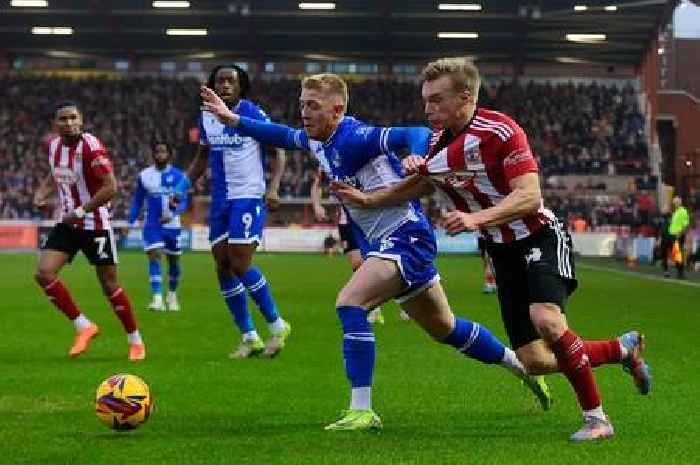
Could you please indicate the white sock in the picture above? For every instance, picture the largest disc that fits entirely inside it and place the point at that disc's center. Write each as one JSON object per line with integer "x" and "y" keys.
{"x": 157, "y": 298}
{"x": 596, "y": 412}
{"x": 361, "y": 398}
{"x": 135, "y": 337}
{"x": 81, "y": 322}
{"x": 172, "y": 295}
{"x": 250, "y": 336}
{"x": 276, "y": 326}
{"x": 511, "y": 362}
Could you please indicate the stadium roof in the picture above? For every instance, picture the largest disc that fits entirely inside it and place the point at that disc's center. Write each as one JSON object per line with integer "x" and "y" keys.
{"x": 361, "y": 30}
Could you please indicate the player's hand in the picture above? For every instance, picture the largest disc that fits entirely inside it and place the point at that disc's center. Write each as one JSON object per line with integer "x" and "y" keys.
{"x": 350, "y": 195}
{"x": 272, "y": 200}
{"x": 213, "y": 104}
{"x": 456, "y": 222}
{"x": 40, "y": 202}
{"x": 166, "y": 219}
{"x": 320, "y": 214}
{"x": 412, "y": 164}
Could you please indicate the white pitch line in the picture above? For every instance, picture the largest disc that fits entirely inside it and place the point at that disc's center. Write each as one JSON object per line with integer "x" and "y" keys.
{"x": 640, "y": 275}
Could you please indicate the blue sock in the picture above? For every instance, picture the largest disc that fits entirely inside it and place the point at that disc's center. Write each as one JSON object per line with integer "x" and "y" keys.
{"x": 358, "y": 345}
{"x": 174, "y": 272}
{"x": 260, "y": 291}
{"x": 154, "y": 276}
{"x": 475, "y": 341}
{"x": 237, "y": 301}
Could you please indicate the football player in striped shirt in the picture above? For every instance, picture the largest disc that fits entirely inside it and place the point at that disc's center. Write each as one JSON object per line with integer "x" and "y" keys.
{"x": 483, "y": 163}
{"x": 81, "y": 171}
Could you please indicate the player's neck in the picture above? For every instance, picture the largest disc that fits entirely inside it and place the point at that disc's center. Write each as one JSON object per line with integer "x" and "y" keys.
{"x": 161, "y": 167}
{"x": 71, "y": 139}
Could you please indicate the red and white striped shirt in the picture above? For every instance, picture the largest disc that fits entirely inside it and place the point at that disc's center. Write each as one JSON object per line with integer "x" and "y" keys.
{"x": 77, "y": 169}
{"x": 473, "y": 169}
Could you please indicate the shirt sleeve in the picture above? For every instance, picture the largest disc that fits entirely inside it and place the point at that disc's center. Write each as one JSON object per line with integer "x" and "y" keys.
{"x": 137, "y": 202}
{"x": 99, "y": 162}
{"x": 278, "y": 135}
{"x": 370, "y": 141}
{"x": 517, "y": 156}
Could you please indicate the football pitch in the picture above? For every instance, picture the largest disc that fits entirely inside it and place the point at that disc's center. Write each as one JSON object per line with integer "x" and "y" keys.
{"x": 437, "y": 406}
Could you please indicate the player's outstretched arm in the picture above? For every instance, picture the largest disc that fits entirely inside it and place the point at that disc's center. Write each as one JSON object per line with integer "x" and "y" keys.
{"x": 278, "y": 135}
{"x": 410, "y": 188}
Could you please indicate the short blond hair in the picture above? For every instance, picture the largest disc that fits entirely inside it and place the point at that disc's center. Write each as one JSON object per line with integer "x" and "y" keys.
{"x": 328, "y": 83}
{"x": 462, "y": 72}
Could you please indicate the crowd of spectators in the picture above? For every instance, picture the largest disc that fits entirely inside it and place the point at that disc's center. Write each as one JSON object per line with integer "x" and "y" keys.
{"x": 573, "y": 129}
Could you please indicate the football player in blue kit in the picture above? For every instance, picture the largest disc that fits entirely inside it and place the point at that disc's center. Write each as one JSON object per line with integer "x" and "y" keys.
{"x": 161, "y": 225}
{"x": 238, "y": 208}
{"x": 397, "y": 242}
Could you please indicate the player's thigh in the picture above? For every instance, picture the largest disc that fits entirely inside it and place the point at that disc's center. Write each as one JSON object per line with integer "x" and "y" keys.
{"x": 99, "y": 247}
{"x": 219, "y": 252}
{"x": 61, "y": 245}
{"x": 376, "y": 281}
{"x": 431, "y": 310}
{"x": 50, "y": 263}
{"x": 513, "y": 295}
{"x": 240, "y": 257}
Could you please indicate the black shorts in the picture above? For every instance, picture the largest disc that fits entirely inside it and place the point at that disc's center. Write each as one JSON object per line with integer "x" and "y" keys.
{"x": 537, "y": 269}
{"x": 347, "y": 238}
{"x": 98, "y": 246}
{"x": 481, "y": 243}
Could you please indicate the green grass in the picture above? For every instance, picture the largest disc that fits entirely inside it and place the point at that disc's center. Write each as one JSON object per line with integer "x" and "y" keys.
{"x": 437, "y": 407}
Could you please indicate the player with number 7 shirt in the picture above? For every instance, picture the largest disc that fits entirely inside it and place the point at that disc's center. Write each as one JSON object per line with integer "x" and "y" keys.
{"x": 81, "y": 172}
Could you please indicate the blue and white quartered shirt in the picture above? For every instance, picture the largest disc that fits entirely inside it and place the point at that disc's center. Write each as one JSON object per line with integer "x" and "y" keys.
{"x": 155, "y": 188}
{"x": 235, "y": 159}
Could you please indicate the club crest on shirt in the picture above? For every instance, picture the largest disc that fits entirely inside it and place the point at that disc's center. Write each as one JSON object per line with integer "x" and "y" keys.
{"x": 64, "y": 175}
{"x": 472, "y": 154}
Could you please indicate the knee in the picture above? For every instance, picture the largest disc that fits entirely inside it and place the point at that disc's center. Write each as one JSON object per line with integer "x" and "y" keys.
{"x": 548, "y": 321}
{"x": 240, "y": 263}
{"x": 535, "y": 364}
{"x": 44, "y": 276}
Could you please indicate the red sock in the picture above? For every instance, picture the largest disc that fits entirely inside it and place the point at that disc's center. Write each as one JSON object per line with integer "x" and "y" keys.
{"x": 122, "y": 307}
{"x": 602, "y": 352}
{"x": 576, "y": 366}
{"x": 61, "y": 298}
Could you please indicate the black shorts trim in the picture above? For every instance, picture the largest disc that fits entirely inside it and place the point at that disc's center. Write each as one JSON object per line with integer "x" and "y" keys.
{"x": 537, "y": 269}
{"x": 99, "y": 247}
{"x": 347, "y": 238}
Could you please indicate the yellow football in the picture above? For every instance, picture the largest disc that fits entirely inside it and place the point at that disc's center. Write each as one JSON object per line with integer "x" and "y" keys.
{"x": 123, "y": 402}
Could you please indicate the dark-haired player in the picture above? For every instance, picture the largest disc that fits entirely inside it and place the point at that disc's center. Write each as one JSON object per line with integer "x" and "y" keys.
{"x": 237, "y": 214}
{"x": 82, "y": 173}
{"x": 161, "y": 224}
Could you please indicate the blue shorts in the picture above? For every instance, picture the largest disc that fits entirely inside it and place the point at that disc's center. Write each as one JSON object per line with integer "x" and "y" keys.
{"x": 158, "y": 237}
{"x": 240, "y": 221}
{"x": 413, "y": 248}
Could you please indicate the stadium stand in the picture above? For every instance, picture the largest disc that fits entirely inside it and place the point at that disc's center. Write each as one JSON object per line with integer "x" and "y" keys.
{"x": 593, "y": 131}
